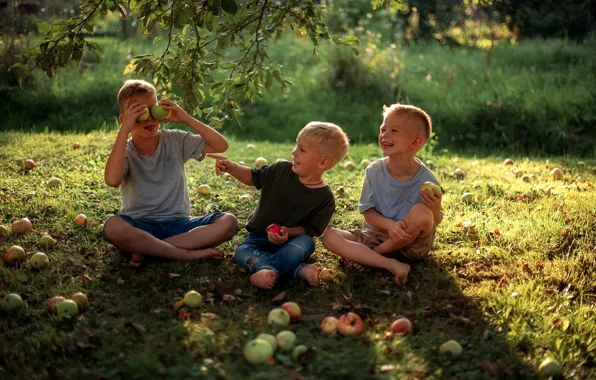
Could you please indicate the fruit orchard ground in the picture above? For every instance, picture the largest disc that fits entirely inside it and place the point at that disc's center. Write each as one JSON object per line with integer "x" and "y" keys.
{"x": 510, "y": 277}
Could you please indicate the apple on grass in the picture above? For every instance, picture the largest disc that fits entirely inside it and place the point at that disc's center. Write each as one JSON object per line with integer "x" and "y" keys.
{"x": 21, "y": 226}
{"x": 46, "y": 241}
{"x": 274, "y": 228}
{"x": 278, "y": 317}
{"x": 247, "y": 198}
{"x": 67, "y": 308}
{"x": 452, "y": 348}
{"x": 340, "y": 191}
{"x": 549, "y": 368}
{"x": 518, "y": 173}
{"x": 12, "y": 302}
{"x": 350, "y": 324}
{"x": 299, "y": 351}
{"x": 459, "y": 173}
{"x": 293, "y": 310}
{"x": 99, "y": 229}
{"x": 204, "y": 190}
{"x": 76, "y": 145}
{"x": 29, "y": 164}
{"x": 285, "y": 340}
{"x": 269, "y": 339}
{"x": 257, "y": 351}
{"x": 251, "y": 146}
{"x": 349, "y": 165}
{"x": 54, "y": 182}
{"x": 193, "y": 299}
{"x": 364, "y": 163}
{"x": 14, "y": 254}
{"x": 80, "y": 220}
{"x": 39, "y": 260}
{"x": 260, "y": 161}
{"x": 326, "y": 274}
{"x": 508, "y": 161}
{"x": 329, "y": 325}
{"x": 557, "y": 174}
{"x": 81, "y": 300}
{"x": 53, "y": 303}
{"x": 401, "y": 326}
{"x": 467, "y": 197}
{"x": 4, "y": 231}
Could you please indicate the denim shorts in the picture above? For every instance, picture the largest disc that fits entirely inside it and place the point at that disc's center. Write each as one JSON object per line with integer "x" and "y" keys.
{"x": 165, "y": 228}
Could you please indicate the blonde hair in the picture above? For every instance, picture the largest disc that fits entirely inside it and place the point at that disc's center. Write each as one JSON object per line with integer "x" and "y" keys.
{"x": 132, "y": 87}
{"x": 411, "y": 112}
{"x": 329, "y": 139}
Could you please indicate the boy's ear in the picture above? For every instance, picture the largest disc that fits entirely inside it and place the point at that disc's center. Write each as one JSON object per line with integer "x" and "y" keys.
{"x": 417, "y": 141}
{"x": 325, "y": 162}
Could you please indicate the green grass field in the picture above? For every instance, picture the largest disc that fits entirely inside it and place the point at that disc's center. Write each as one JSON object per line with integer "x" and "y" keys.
{"x": 511, "y": 277}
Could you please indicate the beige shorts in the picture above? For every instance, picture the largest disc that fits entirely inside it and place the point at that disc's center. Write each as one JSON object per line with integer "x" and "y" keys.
{"x": 415, "y": 251}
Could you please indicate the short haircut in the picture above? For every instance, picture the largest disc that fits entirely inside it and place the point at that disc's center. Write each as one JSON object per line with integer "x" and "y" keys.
{"x": 411, "y": 112}
{"x": 330, "y": 140}
{"x": 132, "y": 87}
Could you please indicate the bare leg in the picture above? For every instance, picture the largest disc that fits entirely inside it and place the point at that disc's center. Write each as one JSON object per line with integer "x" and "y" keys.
{"x": 310, "y": 274}
{"x": 211, "y": 235}
{"x": 264, "y": 279}
{"x": 419, "y": 221}
{"x": 131, "y": 239}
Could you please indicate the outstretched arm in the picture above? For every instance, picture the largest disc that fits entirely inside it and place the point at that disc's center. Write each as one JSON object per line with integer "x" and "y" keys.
{"x": 240, "y": 172}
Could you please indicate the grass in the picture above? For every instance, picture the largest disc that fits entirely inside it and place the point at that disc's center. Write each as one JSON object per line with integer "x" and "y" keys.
{"x": 510, "y": 277}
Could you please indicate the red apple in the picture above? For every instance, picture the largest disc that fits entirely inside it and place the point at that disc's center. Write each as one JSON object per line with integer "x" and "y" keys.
{"x": 329, "y": 325}
{"x": 350, "y": 324}
{"x": 14, "y": 254}
{"x": 21, "y": 226}
{"x": 29, "y": 164}
{"x": 401, "y": 326}
{"x": 274, "y": 228}
{"x": 80, "y": 220}
{"x": 293, "y": 309}
{"x": 76, "y": 145}
{"x": 53, "y": 303}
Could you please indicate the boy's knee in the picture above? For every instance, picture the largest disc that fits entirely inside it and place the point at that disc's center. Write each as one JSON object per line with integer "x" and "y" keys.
{"x": 114, "y": 229}
{"x": 304, "y": 242}
{"x": 230, "y": 223}
{"x": 328, "y": 237}
{"x": 420, "y": 217}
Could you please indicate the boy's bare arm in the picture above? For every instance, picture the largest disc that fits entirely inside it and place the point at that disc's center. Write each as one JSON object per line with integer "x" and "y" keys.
{"x": 373, "y": 218}
{"x": 295, "y": 231}
{"x": 240, "y": 172}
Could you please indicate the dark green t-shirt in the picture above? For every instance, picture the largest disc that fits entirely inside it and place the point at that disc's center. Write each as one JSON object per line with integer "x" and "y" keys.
{"x": 287, "y": 202}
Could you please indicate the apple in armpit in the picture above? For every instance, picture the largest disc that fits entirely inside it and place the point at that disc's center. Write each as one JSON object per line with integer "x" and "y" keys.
{"x": 329, "y": 325}
{"x": 293, "y": 310}
{"x": 274, "y": 228}
{"x": 350, "y": 324}
{"x": 257, "y": 351}
{"x": 29, "y": 164}
{"x": 80, "y": 220}
{"x": 14, "y": 254}
{"x": 278, "y": 317}
{"x": 285, "y": 340}
{"x": 21, "y": 226}
{"x": 81, "y": 300}
{"x": 39, "y": 260}
{"x": 428, "y": 185}
{"x": 12, "y": 302}
{"x": 401, "y": 326}
{"x": 53, "y": 303}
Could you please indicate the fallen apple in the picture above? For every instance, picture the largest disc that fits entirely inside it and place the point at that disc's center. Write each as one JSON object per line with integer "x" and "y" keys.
{"x": 21, "y": 226}
{"x": 144, "y": 116}
{"x": 53, "y": 303}
{"x": 274, "y": 228}
{"x": 193, "y": 299}
{"x": 467, "y": 197}
{"x": 526, "y": 178}
{"x": 80, "y": 220}
{"x": 257, "y": 351}
{"x": 39, "y": 261}
{"x": 251, "y": 146}
{"x": 452, "y": 348}
{"x": 340, "y": 191}
{"x": 81, "y": 300}
{"x": 349, "y": 165}
{"x": 557, "y": 174}
{"x": 326, "y": 274}
{"x": 364, "y": 163}
{"x": 329, "y": 325}
{"x": 4, "y": 231}
{"x": 99, "y": 229}
{"x": 29, "y": 164}
{"x": 298, "y": 351}
{"x": 581, "y": 163}
{"x": 204, "y": 190}
{"x": 247, "y": 198}
{"x": 518, "y": 172}
{"x": 260, "y": 161}
{"x": 549, "y": 368}
{"x": 350, "y": 324}
{"x": 285, "y": 340}
{"x": 12, "y": 302}
{"x": 459, "y": 173}
{"x": 508, "y": 161}
{"x": 76, "y": 145}
{"x": 270, "y": 339}
{"x": 428, "y": 185}
{"x": 67, "y": 308}
{"x": 158, "y": 112}
{"x": 278, "y": 317}
{"x": 54, "y": 182}
{"x": 14, "y": 254}
{"x": 401, "y": 326}
{"x": 46, "y": 241}
{"x": 293, "y": 310}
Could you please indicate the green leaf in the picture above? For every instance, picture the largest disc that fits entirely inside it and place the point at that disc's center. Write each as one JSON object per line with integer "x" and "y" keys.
{"x": 43, "y": 27}
{"x": 229, "y": 6}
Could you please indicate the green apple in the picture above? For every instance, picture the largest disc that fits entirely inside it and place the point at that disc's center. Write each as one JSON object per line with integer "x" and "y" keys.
{"x": 270, "y": 339}
{"x": 451, "y": 347}
{"x": 46, "y": 241}
{"x": 329, "y": 325}
{"x": 53, "y": 303}
{"x": 4, "y": 231}
{"x": 67, "y": 308}
{"x": 298, "y": 351}
{"x": 549, "y": 368}
{"x": 349, "y": 165}
{"x": 251, "y": 146}
{"x": 158, "y": 112}
{"x": 257, "y": 351}
{"x": 21, "y": 226}
{"x": 14, "y": 254}
{"x": 557, "y": 174}
{"x": 81, "y": 300}
{"x": 204, "y": 190}
{"x": 278, "y": 317}
{"x": 285, "y": 340}
{"x": 12, "y": 302}
{"x": 193, "y": 299}
{"x": 467, "y": 197}
{"x": 364, "y": 163}
{"x": 430, "y": 186}
{"x": 39, "y": 260}
{"x": 99, "y": 229}
{"x": 54, "y": 182}
{"x": 144, "y": 116}
{"x": 260, "y": 161}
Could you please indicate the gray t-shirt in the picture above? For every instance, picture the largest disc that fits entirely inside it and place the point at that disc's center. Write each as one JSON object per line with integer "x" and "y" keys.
{"x": 388, "y": 196}
{"x": 155, "y": 186}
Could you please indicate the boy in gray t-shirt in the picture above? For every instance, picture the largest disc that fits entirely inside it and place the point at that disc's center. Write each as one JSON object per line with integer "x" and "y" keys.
{"x": 155, "y": 216}
{"x": 400, "y": 215}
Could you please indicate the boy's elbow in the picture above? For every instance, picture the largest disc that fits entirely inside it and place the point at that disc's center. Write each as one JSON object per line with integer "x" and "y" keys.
{"x": 223, "y": 146}
{"x": 112, "y": 182}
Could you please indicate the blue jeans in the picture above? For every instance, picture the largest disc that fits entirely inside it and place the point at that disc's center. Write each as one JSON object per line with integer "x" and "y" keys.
{"x": 287, "y": 258}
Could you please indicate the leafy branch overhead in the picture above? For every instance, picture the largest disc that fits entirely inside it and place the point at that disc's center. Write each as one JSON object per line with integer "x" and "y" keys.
{"x": 203, "y": 37}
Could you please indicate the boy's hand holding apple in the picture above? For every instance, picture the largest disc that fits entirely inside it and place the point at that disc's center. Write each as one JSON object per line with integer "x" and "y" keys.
{"x": 130, "y": 115}
{"x": 177, "y": 114}
{"x": 277, "y": 234}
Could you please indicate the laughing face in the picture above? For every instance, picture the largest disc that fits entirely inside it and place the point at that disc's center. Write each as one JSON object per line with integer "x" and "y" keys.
{"x": 149, "y": 127}
{"x": 306, "y": 159}
{"x": 398, "y": 135}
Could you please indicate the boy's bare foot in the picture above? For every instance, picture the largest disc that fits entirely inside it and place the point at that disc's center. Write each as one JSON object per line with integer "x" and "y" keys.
{"x": 400, "y": 272}
{"x": 207, "y": 253}
{"x": 354, "y": 265}
{"x": 264, "y": 279}
{"x": 310, "y": 274}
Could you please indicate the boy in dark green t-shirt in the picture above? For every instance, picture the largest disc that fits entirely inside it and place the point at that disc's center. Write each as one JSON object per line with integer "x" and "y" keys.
{"x": 296, "y": 204}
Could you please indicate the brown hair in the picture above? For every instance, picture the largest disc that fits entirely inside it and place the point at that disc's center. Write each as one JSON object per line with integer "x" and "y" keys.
{"x": 414, "y": 112}
{"x": 329, "y": 139}
{"x": 132, "y": 87}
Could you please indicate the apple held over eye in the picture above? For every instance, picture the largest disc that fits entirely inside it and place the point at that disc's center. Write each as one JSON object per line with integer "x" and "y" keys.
{"x": 285, "y": 340}
{"x": 329, "y": 325}
{"x": 81, "y": 300}
{"x": 67, "y": 308}
{"x": 278, "y": 317}
{"x": 452, "y": 348}
{"x": 29, "y": 164}
{"x": 557, "y": 174}
{"x": 158, "y": 112}
{"x": 257, "y": 351}
{"x": 269, "y": 339}
{"x": 260, "y": 161}
{"x": 428, "y": 185}
{"x": 293, "y": 310}
{"x": 144, "y": 116}
{"x": 193, "y": 299}
{"x": 350, "y": 324}
{"x": 14, "y": 254}
{"x": 12, "y": 302}
{"x": 21, "y": 226}
{"x": 80, "y": 220}
{"x": 54, "y": 182}
{"x": 274, "y": 228}
{"x": 53, "y": 303}
{"x": 549, "y": 368}
{"x": 46, "y": 241}
{"x": 401, "y": 326}
{"x": 39, "y": 260}
{"x": 204, "y": 190}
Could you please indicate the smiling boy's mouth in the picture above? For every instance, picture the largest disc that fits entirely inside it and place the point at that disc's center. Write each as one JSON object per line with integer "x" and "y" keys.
{"x": 150, "y": 128}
